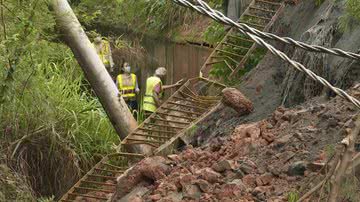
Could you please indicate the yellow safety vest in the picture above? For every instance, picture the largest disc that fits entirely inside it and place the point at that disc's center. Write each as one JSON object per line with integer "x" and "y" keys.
{"x": 149, "y": 102}
{"x": 104, "y": 52}
{"x": 127, "y": 91}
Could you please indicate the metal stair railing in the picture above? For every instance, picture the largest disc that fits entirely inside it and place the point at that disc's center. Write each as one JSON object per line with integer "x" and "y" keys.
{"x": 185, "y": 107}
{"x": 233, "y": 51}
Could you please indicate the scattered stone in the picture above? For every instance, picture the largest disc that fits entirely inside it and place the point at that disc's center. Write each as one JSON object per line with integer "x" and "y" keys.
{"x": 297, "y": 168}
{"x": 209, "y": 175}
{"x": 155, "y": 197}
{"x": 203, "y": 185}
{"x": 249, "y": 180}
{"x": 282, "y": 141}
{"x": 172, "y": 197}
{"x": 224, "y": 165}
{"x": 191, "y": 191}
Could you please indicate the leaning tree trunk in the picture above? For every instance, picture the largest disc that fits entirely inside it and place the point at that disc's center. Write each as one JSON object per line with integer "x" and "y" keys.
{"x": 94, "y": 70}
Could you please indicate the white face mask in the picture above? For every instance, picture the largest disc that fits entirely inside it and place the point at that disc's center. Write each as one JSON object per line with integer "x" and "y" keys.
{"x": 127, "y": 69}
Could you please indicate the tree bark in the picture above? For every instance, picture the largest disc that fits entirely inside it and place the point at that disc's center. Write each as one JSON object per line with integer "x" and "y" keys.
{"x": 95, "y": 71}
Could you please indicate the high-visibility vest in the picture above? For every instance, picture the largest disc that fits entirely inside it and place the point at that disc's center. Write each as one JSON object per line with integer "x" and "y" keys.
{"x": 149, "y": 101}
{"x": 126, "y": 90}
{"x": 104, "y": 52}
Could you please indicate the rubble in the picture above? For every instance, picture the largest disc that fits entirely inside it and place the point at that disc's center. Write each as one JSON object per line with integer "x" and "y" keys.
{"x": 259, "y": 161}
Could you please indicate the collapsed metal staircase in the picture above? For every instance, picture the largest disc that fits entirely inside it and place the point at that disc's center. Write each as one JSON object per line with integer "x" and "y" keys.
{"x": 186, "y": 107}
{"x": 233, "y": 51}
{"x": 182, "y": 110}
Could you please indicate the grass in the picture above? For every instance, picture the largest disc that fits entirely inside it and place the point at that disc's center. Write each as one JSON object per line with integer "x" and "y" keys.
{"x": 293, "y": 196}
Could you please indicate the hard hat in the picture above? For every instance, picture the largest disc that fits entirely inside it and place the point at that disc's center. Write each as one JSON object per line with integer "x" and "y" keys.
{"x": 160, "y": 71}
{"x": 97, "y": 40}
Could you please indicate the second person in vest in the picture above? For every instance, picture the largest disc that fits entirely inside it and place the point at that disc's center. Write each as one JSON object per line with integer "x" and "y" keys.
{"x": 128, "y": 86}
{"x": 155, "y": 91}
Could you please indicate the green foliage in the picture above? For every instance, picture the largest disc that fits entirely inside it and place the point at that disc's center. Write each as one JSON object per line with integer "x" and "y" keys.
{"x": 293, "y": 196}
{"x": 329, "y": 150}
{"x": 214, "y": 33}
{"x": 221, "y": 71}
{"x": 319, "y": 2}
{"x": 349, "y": 188}
{"x": 42, "y": 86}
{"x": 351, "y": 17}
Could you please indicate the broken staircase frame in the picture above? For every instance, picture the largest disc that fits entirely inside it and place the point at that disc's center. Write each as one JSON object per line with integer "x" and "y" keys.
{"x": 185, "y": 108}
{"x": 229, "y": 53}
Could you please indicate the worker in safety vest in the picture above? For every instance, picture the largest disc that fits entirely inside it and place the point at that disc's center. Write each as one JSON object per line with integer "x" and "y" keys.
{"x": 128, "y": 86}
{"x": 155, "y": 90}
{"x": 103, "y": 49}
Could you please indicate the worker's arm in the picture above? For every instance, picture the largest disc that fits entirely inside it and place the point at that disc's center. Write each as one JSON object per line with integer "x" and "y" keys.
{"x": 179, "y": 83}
{"x": 156, "y": 93}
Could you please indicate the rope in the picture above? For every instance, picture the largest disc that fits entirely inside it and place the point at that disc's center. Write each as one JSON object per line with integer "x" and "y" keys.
{"x": 206, "y": 10}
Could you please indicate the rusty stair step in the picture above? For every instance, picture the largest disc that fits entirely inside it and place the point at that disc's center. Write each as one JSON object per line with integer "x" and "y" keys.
{"x": 101, "y": 176}
{"x": 262, "y": 9}
{"x": 114, "y": 166}
{"x": 165, "y": 126}
{"x": 89, "y": 196}
{"x": 151, "y": 136}
{"x": 176, "y": 116}
{"x": 255, "y": 16}
{"x": 188, "y": 106}
{"x": 158, "y": 131}
{"x": 98, "y": 183}
{"x": 183, "y": 111}
{"x": 268, "y": 2}
{"x": 230, "y": 53}
{"x": 171, "y": 121}
{"x": 235, "y": 46}
{"x": 110, "y": 171}
{"x": 253, "y": 24}
{"x": 144, "y": 140}
{"x": 227, "y": 57}
{"x": 240, "y": 38}
{"x": 215, "y": 62}
{"x": 193, "y": 101}
{"x": 95, "y": 189}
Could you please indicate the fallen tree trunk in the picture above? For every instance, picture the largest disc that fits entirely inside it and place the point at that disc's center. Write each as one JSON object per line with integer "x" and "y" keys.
{"x": 95, "y": 71}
